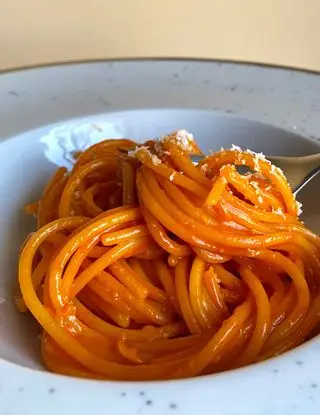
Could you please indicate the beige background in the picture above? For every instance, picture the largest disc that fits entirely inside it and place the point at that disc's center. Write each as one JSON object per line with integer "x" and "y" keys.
{"x": 285, "y": 32}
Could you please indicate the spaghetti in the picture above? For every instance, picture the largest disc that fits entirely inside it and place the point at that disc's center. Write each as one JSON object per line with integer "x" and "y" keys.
{"x": 147, "y": 266}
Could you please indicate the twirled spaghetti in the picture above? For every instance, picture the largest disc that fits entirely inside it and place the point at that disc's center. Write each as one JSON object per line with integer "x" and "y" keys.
{"x": 147, "y": 266}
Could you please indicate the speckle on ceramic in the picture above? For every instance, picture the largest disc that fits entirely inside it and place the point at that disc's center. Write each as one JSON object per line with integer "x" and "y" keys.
{"x": 47, "y": 113}
{"x": 173, "y": 406}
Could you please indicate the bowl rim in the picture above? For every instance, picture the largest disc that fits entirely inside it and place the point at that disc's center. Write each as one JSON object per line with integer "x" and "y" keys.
{"x": 18, "y": 374}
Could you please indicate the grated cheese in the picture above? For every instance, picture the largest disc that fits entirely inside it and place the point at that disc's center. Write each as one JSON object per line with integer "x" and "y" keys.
{"x": 134, "y": 152}
{"x": 278, "y": 211}
{"x": 277, "y": 170}
{"x": 256, "y": 164}
{"x": 299, "y": 207}
{"x": 185, "y": 137}
{"x": 155, "y": 159}
{"x": 171, "y": 177}
{"x": 256, "y": 187}
{"x": 260, "y": 199}
{"x": 255, "y": 184}
{"x": 235, "y": 148}
{"x": 182, "y": 138}
{"x": 158, "y": 148}
{"x": 204, "y": 168}
{"x": 228, "y": 165}
{"x": 258, "y": 156}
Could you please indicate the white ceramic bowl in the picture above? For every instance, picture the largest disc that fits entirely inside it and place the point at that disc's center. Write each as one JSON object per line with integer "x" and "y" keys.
{"x": 286, "y": 384}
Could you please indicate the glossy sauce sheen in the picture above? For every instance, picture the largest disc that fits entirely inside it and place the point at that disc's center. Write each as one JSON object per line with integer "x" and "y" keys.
{"x": 146, "y": 266}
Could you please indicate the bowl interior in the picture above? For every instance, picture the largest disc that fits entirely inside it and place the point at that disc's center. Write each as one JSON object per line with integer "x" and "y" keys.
{"x": 28, "y": 160}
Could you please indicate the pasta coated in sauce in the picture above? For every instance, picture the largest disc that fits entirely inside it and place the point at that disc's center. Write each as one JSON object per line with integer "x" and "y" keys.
{"x": 147, "y": 266}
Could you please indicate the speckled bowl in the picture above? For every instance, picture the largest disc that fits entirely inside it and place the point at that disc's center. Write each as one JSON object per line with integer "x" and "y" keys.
{"x": 47, "y": 112}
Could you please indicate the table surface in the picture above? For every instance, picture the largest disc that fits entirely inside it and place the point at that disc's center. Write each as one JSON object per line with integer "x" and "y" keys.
{"x": 282, "y": 32}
